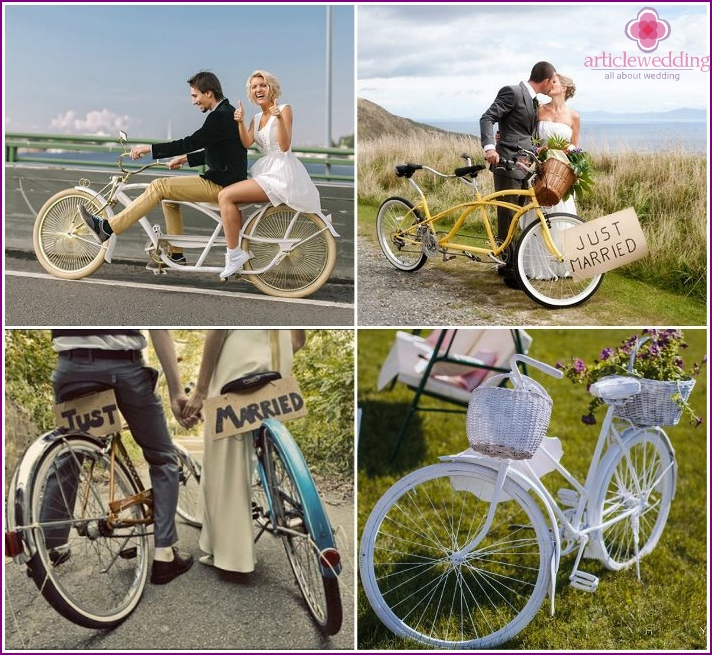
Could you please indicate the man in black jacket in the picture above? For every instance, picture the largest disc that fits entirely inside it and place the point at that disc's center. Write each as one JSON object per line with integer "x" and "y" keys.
{"x": 216, "y": 144}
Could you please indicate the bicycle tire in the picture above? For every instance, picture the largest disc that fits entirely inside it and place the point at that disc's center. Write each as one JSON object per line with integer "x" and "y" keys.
{"x": 396, "y": 217}
{"x": 306, "y": 268}
{"x": 101, "y": 580}
{"x": 296, "y": 506}
{"x": 421, "y": 590}
{"x": 545, "y": 280}
{"x": 189, "y": 488}
{"x": 63, "y": 244}
{"x": 642, "y": 474}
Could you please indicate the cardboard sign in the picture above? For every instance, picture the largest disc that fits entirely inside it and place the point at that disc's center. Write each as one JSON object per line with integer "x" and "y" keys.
{"x": 236, "y": 413}
{"x": 604, "y": 243}
{"x": 96, "y": 413}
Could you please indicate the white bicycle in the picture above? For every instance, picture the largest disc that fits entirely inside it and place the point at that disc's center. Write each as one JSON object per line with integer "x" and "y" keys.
{"x": 462, "y": 553}
{"x": 293, "y": 253}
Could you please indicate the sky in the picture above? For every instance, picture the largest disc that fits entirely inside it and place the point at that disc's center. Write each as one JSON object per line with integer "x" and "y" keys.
{"x": 95, "y": 69}
{"x": 448, "y": 62}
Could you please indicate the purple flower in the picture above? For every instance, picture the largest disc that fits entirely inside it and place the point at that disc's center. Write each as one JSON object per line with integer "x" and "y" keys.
{"x": 579, "y": 365}
{"x": 588, "y": 419}
{"x": 606, "y": 353}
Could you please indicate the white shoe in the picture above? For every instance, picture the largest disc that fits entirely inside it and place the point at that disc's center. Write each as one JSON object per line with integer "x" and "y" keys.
{"x": 234, "y": 260}
{"x": 207, "y": 560}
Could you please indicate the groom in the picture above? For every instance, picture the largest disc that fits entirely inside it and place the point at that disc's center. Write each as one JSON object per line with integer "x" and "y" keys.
{"x": 515, "y": 111}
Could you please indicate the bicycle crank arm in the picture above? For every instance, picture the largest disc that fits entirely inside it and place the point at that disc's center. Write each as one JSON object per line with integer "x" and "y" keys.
{"x": 144, "y": 498}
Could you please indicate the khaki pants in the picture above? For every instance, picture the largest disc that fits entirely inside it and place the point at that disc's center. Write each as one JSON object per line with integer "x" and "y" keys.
{"x": 191, "y": 188}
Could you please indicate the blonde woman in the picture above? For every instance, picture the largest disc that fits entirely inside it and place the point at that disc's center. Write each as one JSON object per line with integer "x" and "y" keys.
{"x": 277, "y": 177}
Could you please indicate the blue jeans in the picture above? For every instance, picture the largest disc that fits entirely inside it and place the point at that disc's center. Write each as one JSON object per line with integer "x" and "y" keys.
{"x": 134, "y": 386}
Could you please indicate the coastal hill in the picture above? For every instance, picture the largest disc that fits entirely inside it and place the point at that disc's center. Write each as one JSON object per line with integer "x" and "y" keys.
{"x": 375, "y": 122}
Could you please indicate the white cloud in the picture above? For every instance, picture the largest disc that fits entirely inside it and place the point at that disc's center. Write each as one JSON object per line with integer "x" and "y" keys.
{"x": 101, "y": 122}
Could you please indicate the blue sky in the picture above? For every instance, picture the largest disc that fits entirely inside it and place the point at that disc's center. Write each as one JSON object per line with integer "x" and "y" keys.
{"x": 447, "y": 62}
{"x": 95, "y": 69}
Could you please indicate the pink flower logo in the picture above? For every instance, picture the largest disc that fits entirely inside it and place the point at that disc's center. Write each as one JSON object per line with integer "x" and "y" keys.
{"x": 647, "y": 29}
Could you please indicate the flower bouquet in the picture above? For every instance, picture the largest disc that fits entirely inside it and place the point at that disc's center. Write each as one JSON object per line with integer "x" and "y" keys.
{"x": 654, "y": 358}
{"x": 562, "y": 170}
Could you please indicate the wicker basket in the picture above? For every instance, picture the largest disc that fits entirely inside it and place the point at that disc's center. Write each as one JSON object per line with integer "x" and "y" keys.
{"x": 654, "y": 405}
{"x": 554, "y": 180}
{"x": 508, "y": 423}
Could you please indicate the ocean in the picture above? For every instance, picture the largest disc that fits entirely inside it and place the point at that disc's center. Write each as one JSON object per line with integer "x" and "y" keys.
{"x": 604, "y": 136}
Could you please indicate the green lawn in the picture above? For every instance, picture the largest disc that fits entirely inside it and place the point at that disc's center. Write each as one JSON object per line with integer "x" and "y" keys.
{"x": 667, "y": 610}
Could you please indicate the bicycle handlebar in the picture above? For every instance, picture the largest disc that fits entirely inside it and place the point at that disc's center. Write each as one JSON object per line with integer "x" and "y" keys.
{"x": 544, "y": 368}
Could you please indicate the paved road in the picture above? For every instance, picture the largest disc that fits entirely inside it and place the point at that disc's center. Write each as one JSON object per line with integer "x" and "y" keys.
{"x": 204, "y": 609}
{"x": 124, "y": 292}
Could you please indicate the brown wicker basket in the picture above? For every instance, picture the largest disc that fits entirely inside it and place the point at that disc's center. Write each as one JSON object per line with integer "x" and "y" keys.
{"x": 554, "y": 180}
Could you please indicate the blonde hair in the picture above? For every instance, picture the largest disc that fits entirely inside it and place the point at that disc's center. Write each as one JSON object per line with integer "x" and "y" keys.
{"x": 568, "y": 84}
{"x": 272, "y": 83}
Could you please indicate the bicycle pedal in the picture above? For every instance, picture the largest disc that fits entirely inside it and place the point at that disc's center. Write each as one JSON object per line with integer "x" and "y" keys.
{"x": 584, "y": 581}
{"x": 568, "y": 497}
{"x": 128, "y": 553}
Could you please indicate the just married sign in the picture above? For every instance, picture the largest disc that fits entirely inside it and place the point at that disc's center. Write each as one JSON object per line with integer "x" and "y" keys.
{"x": 96, "y": 413}
{"x": 603, "y": 244}
{"x": 236, "y": 413}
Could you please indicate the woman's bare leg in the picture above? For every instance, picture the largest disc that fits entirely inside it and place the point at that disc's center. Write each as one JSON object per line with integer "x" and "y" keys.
{"x": 228, "y": 199}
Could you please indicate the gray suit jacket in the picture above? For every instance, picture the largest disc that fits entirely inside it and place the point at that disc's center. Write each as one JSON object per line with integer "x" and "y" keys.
{"x": 513, "y": 110}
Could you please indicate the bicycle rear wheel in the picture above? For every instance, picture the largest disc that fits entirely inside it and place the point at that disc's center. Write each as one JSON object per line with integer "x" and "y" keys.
{"x": 64, "y": 245}
{"x": 305, "y": 268}
{"x": 641, "y": 476}
{"x": 298, "y": 517}
{"x": 189, "y": 490}
{"x": 420, "y": 584}
{"x": 92, "y": 573}
{"x": 398, "y": 235}
{"x": 541, "y": 276}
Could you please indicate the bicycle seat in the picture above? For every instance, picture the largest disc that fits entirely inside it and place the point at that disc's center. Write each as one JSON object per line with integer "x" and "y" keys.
{"x": 407, "y": 170}
{"x": 615, "y": 387}
{"x": 78, "y": 389}
{"x": 250, "y": 382}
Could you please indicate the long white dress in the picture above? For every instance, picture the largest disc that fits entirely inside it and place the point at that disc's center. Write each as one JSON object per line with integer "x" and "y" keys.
{"x": 280, "y": 174}
{"x": 227, "y": 463}
{"x": 546, "y": 130}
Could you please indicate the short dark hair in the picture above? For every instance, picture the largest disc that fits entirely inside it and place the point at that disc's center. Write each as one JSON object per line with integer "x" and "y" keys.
{"x": 206, "y": 81}
{"x": 541, "y": 71}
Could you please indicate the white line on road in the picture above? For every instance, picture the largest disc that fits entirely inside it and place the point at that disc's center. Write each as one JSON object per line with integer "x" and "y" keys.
{"x": 205, "y": 292}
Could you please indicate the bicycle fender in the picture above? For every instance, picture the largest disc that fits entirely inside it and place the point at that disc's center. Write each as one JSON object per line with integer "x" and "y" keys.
{"x": 111, "y": 243}
{"x": 314, "y": 514}
{"x": 18, "y": 501}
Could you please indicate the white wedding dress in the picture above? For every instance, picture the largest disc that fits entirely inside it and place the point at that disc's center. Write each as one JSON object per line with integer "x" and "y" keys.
{"x": 538, "y": 266}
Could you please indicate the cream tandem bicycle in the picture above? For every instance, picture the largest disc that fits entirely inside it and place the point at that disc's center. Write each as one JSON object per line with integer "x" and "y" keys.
{"x": 293, "y": 253}
{"x": 462, "y": 553}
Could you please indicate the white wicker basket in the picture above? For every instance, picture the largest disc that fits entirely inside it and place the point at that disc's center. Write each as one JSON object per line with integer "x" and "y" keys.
{"x": 508, "y": 423}
{"x": 655, "y": 404}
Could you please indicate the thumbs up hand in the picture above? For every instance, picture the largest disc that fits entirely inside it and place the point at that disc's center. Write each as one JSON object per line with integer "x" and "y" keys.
{"x": 274, "y": 110}
{"x": 239, "y": 112}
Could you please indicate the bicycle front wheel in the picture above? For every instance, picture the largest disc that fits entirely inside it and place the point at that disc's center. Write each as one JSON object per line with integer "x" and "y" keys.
{"x": 544, "y": 279}
{"x": 292, "y": 497}
{"x": 636, "y": 488}
{"x": 422, "y": 581}
{"x": 396, "y": 225}
{"x": 64, "y": 245}
{"x": 91, "y": 572}
{"x": 308, "y": 264}
{"x": 189, "y": 488}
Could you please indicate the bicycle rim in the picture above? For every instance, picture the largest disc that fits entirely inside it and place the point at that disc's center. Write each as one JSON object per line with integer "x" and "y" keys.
{"x": 399, "y": 239}
{"x": 64, "y": 245}
{"x": 418, "y": 585}
{"x": 307, "y": 266}
{"x": 642, "y": 476}
{"x": 541, "y": 276}
{"x": 320, "y": 592}
{"x": 189, "y": 501}
{"x": 90, "y": 573}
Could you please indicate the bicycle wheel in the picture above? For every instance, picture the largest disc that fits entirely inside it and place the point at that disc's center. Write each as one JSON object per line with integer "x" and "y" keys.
{"x": 308, "y": 264}
{"x": 399, "y": 238}
{"x": 640, "y": 477}
{"x": 64, "y": 245}
{"x": 189, "y": 490}
{"x": 92, "y": 573}
{"x": 541, "y": 276}
{"x": 419, "y": 583}
{"x": 299, "y": 518}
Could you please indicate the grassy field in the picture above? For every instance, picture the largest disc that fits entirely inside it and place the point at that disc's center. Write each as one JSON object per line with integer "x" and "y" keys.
{"x": 666, "y": 610}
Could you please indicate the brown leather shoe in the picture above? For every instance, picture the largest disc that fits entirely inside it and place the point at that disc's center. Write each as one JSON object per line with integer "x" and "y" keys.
{"x": 163, "y": 572}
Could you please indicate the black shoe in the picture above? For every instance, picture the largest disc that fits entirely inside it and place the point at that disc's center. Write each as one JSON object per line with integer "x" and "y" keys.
{"x": 178, "y": 258}
{"x": 59, "y": 556}
{"x": 509, "y": 277}
{"x": 163, "y": 572}
{"x": 95, "y": 224}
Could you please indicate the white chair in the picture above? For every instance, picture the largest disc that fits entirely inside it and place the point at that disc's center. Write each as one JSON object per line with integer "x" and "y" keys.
{"x": 448, "y": 365}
